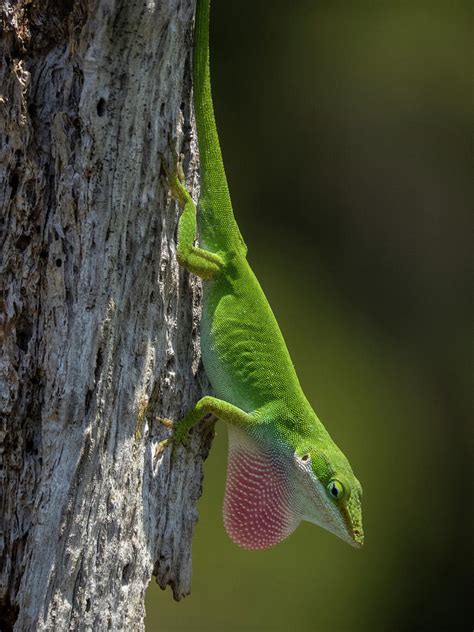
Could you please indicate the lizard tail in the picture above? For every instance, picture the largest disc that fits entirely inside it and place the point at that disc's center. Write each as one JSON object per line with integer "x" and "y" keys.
{"x": 218, "y": 228}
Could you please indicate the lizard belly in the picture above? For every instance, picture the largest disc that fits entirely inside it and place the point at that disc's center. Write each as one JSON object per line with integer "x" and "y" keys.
{"x": 243, "y": 350}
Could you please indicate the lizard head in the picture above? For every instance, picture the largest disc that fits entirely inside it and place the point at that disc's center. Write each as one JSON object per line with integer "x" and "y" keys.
{"x": 330, "y": 493}
{"x": 270, "y": 489}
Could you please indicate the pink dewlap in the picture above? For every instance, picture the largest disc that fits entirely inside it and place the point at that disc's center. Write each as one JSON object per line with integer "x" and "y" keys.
{"x": 257, "y": 504}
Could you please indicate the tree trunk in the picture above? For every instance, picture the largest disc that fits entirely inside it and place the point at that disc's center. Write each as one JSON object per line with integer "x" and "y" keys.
{"x": 99, "y": 329}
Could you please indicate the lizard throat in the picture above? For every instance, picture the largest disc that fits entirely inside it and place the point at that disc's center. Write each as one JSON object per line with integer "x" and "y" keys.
{"x": 258, "y": 505}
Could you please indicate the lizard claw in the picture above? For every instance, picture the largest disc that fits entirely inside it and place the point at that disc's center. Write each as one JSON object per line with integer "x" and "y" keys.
{"x": 167, "y": 423}
{"x": 161, "y": 447}
{"x": 176, "y": 437}
{"x": 167, "y": 443}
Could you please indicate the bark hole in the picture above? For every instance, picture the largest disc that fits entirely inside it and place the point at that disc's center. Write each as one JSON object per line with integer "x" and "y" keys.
{"x": 101, "y": 107}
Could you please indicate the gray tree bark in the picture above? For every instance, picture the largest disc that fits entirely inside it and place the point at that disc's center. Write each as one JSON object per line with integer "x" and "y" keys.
{"x": 99, "y": 327}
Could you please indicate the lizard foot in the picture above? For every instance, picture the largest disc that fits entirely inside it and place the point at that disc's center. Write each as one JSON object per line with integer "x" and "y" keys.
{"x": 176, "y": 437}
{"x": 175, "y": 173}
{"x": 167, "y": 423}
{"x": 162, "y": 445}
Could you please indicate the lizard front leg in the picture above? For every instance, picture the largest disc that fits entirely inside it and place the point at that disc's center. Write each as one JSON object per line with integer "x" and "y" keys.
{"x": 201, "y": 262}
{"x": 204, "y": 409}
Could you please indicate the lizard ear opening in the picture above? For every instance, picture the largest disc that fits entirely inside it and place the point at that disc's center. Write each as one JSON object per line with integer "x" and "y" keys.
{"x": 259, "y": 510}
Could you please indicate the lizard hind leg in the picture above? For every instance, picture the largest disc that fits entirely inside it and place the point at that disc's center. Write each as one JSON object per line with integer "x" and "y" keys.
{"x": 203, "y": 263}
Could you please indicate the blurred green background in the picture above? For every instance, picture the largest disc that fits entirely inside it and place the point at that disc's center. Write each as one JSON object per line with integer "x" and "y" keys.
{"x": 345, "y": 128}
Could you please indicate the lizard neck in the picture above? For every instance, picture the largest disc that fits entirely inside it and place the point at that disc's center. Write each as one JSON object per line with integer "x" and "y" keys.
{"x": 218, "y": 228}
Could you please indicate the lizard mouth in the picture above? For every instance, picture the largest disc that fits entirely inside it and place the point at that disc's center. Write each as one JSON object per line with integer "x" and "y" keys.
{"x": 355, "y": 533}
{"x": 357, "y": 540}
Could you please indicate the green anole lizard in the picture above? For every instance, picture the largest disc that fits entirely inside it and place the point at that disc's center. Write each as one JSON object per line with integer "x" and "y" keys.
{"x": 283, "y": 466}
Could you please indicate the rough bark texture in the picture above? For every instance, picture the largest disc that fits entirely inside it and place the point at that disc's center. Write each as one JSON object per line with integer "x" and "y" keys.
{"x": 99, "y": 326}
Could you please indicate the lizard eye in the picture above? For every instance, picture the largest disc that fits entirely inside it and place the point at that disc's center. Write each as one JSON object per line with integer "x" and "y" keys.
{"x": 306, "y": 457}
{"x": 335, "y": 489}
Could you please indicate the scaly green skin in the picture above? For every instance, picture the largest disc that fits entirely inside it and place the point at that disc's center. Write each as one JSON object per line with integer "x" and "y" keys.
{"x": 243, "y": 350}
